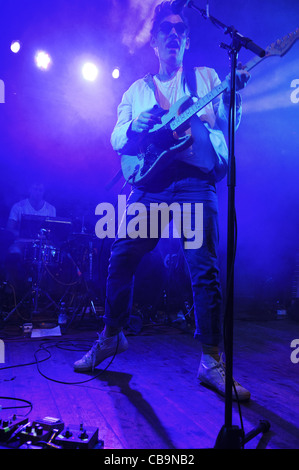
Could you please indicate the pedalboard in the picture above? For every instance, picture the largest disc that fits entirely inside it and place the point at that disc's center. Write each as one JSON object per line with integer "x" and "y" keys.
{"x": 77, "y": 437}
{"x": 9, "y": 425}
{"x": 46, "y": 433}
{"x": 40, "y": 430}
{"x": 48, "y": 423}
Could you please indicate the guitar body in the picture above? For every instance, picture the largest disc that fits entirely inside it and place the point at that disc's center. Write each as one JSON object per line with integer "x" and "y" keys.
{"x": 157, "y": 147}
{"x": 153, "y": 157}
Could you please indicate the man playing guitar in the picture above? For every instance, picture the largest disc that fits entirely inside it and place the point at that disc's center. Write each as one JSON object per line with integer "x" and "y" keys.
{"x": 188, "y": 176}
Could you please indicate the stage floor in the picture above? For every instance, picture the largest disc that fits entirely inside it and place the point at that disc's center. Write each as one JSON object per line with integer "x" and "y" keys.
{"x": 149, "y": 397}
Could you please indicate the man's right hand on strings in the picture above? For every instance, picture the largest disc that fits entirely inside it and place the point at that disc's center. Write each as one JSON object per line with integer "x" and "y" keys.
{"x": 145, "y": 121}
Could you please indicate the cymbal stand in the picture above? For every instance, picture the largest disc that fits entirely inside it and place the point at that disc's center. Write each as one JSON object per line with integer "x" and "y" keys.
{"x": 37, "y": 290}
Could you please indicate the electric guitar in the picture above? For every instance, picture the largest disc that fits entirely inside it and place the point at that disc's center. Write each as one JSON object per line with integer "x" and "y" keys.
{"x": 156, "y": 147}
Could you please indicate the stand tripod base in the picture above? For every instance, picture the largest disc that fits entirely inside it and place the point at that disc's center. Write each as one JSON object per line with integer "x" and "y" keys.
{"x": 232, "y": 437}
{"x": 229, "y": 438}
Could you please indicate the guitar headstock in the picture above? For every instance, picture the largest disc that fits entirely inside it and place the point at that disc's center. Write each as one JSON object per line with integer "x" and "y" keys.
{"x": 281, "y": 46}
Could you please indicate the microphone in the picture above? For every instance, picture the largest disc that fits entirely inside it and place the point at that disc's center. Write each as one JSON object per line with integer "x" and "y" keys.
{"x": 178, "y": 5}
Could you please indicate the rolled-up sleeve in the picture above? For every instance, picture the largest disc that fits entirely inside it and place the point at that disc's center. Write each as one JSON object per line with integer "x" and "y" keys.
{"x": 138, "y": 98}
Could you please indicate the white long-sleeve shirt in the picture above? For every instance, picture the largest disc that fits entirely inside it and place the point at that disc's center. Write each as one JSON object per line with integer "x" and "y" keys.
{"x": 147, "y": 92}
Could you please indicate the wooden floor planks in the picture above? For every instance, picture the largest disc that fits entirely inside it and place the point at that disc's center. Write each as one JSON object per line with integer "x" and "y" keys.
{"x": 149, "y": 397}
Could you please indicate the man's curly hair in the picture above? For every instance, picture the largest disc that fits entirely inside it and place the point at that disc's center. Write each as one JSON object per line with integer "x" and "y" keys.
{"x": 161, "y": 11}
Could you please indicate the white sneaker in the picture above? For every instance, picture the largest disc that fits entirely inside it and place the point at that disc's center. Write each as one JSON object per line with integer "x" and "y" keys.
{"x": 101, "y": 349}
{"x": 212, "y": 374}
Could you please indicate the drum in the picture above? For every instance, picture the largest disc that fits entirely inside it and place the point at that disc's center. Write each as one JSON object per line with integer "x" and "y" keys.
{"x": 35, "y": 252}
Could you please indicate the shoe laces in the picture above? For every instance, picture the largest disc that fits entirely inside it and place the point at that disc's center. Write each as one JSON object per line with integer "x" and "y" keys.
{"x": 222, "y": 369}
{"x": 97, "y": 345}
{"x": 221, "y": 366}
{"x": 91, "y": 354}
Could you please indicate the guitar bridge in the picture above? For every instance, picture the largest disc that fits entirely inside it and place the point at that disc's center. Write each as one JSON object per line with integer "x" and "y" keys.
{"x": 150, "y": 156}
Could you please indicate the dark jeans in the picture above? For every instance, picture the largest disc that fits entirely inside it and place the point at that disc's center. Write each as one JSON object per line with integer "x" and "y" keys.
{"x": 181, "y": 184}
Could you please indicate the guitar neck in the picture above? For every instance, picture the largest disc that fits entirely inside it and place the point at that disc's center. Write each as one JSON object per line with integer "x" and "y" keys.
{"x": 253, "y": 62}
{"x": 198, "y": 105}
{"x": 202, "y": 102}
{"x": 279, "y": 48}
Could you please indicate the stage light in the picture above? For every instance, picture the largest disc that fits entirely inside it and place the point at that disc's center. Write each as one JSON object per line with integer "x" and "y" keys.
{"x": 115, "y": 73}
{"x": 90, "y": 71}
{"x": 15, "y": 46}
{"x": 43, "y": 60}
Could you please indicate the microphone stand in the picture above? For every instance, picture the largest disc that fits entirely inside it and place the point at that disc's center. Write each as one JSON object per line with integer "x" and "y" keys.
{"x": 231, "y": 436}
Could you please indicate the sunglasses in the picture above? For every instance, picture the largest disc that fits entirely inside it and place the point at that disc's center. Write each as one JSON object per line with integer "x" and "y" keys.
{"x": 166, "y": 27}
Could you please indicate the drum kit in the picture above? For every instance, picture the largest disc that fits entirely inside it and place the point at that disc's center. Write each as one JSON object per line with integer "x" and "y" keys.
{"x": 57, "y": 265}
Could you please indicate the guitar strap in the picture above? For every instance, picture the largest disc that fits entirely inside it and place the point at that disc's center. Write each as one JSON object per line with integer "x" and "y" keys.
{"x": 188, "y": 80}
